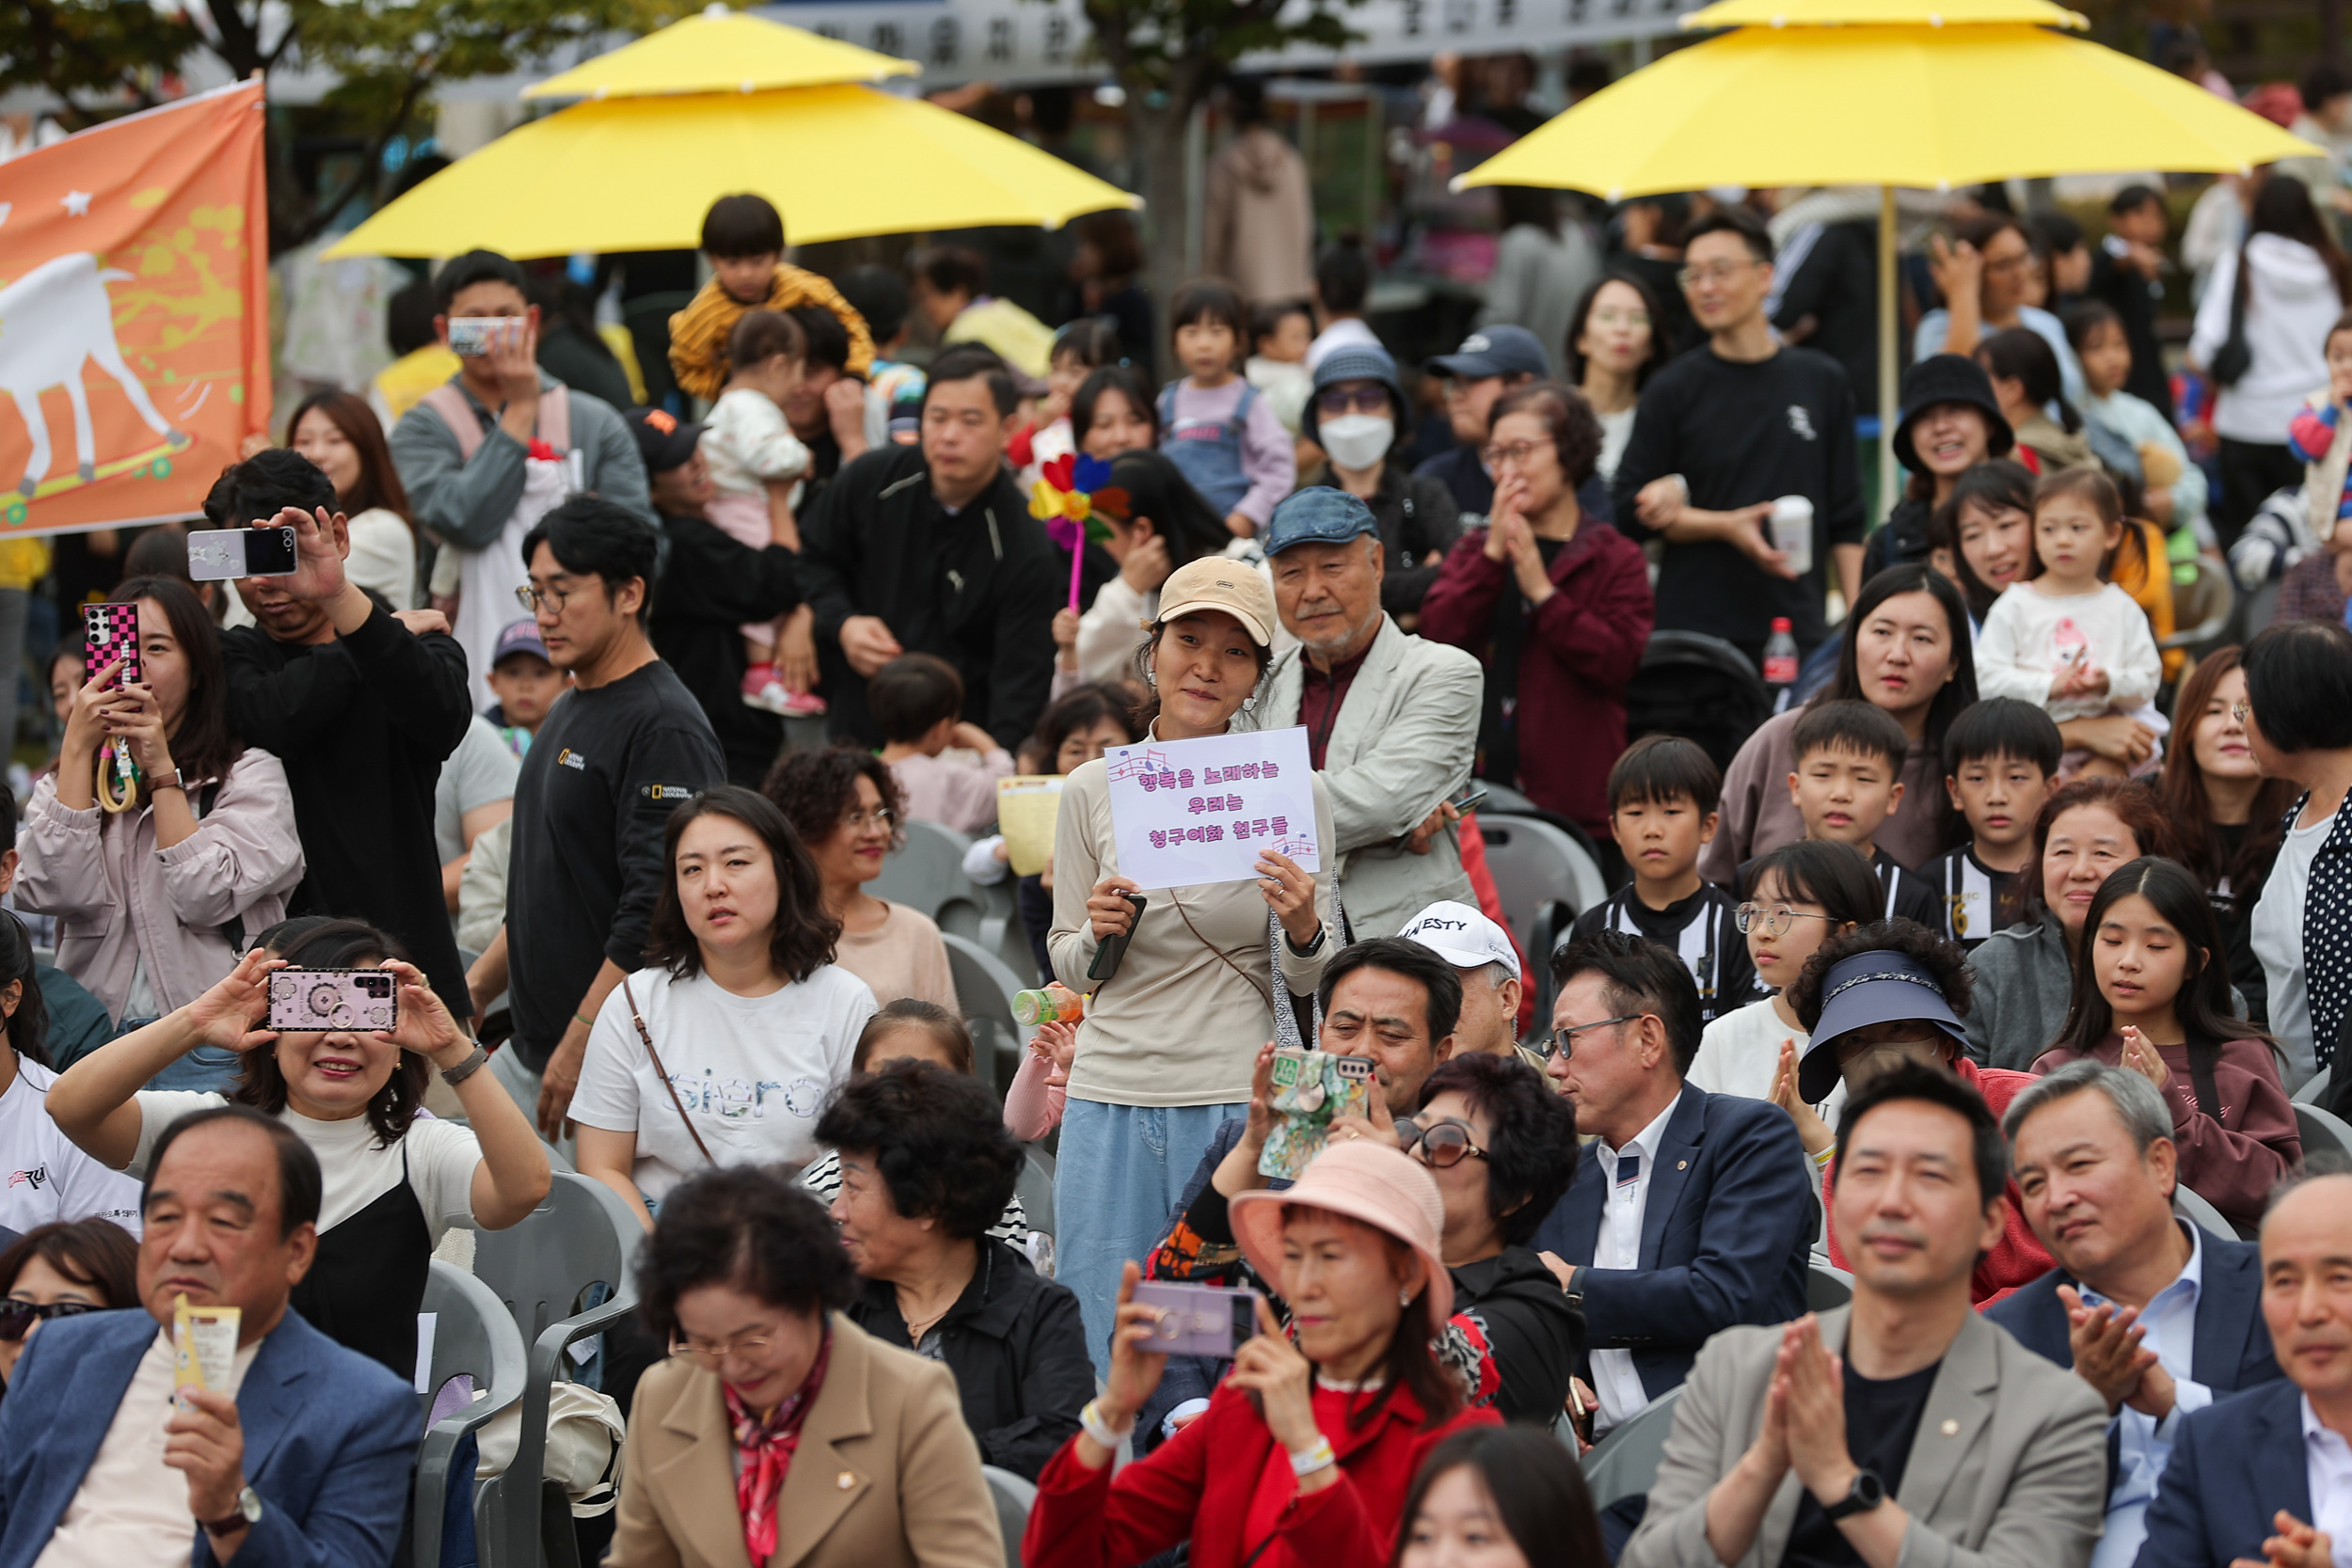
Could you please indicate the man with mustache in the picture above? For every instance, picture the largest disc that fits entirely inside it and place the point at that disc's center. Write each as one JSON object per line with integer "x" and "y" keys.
{"x": 297, "y": 1453}
{"x": 1905, "y": 1427}
{"x": 2157, "y": 1316}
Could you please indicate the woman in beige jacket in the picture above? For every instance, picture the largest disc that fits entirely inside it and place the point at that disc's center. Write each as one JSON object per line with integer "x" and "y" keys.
{"x": 780, "y": 1433}
{"x": 1166, "y": 1048}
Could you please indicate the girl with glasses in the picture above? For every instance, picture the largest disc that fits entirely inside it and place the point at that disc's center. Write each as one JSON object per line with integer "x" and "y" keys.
{"x": 59, "y": 1271}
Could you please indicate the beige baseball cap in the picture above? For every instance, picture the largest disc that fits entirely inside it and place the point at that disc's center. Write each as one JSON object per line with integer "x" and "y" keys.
{"x": 1217, "y": 582}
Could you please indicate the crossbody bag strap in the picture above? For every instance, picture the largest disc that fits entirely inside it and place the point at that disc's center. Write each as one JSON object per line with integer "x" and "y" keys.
{"x": 2201, "y": 1075}
{"x": 661, "y": 1072}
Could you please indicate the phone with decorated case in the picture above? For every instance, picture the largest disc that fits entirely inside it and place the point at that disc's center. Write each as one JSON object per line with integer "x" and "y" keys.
{"x": 110, "y": 632}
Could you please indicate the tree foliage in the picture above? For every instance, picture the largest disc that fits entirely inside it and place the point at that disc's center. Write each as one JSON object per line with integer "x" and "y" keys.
{"x": 104, "y": 56}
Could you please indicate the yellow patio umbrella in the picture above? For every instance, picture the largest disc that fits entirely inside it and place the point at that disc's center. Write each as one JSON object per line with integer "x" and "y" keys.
{"x": 721, "y": 51}
{"x": 638, "y": 173}
{"x": 1919, "y": 107}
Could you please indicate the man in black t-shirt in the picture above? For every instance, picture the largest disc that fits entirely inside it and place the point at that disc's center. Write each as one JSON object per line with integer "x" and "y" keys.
{"x": 618, "y": 753}
{"x": 1842, "y": 1438}
{"x": 362, "y": 703}
{"x": 1722, "y": 433}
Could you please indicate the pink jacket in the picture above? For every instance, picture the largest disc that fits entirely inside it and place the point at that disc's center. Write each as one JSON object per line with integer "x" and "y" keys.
{"x": 116, "y": 896}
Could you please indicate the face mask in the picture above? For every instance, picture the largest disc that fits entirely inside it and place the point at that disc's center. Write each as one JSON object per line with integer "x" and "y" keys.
{"x": 1356, "y": 440}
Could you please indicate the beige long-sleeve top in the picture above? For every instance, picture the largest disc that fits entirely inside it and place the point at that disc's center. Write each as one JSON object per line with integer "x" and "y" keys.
{"x": 1181, "y": 1021}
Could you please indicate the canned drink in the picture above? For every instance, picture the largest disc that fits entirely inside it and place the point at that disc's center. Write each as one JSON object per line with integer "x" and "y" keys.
{"x": 1791, "y": 531}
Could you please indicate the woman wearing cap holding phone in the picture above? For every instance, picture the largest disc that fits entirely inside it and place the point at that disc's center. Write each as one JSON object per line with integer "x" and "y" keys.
{"x": 1874, "y": 997}
{"x": 1308, "y": 1449}
{"x": 1164, "y": 1054}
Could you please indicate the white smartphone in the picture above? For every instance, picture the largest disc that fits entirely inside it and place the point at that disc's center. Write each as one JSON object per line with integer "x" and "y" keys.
{"x": 215, "y": 555}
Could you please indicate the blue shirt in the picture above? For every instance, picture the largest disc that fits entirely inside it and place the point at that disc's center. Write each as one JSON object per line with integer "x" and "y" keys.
{"x": 2144, "y": 1444}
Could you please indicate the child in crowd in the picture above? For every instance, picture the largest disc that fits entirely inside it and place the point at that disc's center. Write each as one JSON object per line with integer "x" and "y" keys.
{"x": 1662, "y": 811}
{"x": 2070, "y": 640}
{"x": 1080, "y": 349}
{"x": 756, "y": 465}
{"x": 1849, "y": 755}
{"x": 894, "y": 386}
{"x": 948, "y": 283}
{"x": 743, "y": 240}
{"x": 1214, "y": 426}
{"x": 1999, "y": 758}
{"x": 2321, "y": 437}
{"x": 1280, "y": 331}
{"x": 524, "y": 683}
{"x": 917, "y": 703}
{"x": 2172, "y": 488}
{"x": 1798, "y": 897}
{"x": 1343, "y": 287}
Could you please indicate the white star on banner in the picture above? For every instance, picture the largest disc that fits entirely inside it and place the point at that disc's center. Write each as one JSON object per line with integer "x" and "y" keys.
{"x": 76, "y": 202}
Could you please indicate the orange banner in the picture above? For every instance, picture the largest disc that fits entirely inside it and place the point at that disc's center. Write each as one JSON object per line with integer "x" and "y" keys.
{"x": 134, "y": 314}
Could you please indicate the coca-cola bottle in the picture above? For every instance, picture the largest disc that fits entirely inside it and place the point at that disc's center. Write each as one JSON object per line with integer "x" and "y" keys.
{"x": 1780, "y": 656}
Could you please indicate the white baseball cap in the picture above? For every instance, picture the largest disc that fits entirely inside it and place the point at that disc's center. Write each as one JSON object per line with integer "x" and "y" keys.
{"x": 1463, "y": 937}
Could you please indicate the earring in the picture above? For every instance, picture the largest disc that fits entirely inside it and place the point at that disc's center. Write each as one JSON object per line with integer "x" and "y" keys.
{"x": 1405, "y": 1298}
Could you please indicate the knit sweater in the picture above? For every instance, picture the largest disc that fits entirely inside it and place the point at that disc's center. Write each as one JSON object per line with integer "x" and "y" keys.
{"x": 698, "y": 334}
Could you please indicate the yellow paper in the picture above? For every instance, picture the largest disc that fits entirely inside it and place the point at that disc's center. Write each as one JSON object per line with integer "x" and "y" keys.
{"x": 1027, "y": 805}
{"x": 204, "y": 1343}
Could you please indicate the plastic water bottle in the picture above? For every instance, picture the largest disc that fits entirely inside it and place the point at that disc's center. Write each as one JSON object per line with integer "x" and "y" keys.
{"x": 1047, "y": 1004}
{"x": 1780, "y": 656}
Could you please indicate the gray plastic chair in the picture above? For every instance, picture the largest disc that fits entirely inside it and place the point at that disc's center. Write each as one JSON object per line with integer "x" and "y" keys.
{"x": 926, "y": 873}
{"x": 1035, "y": 1188}
{"x": 1545, "y": 879}
{"x": 984, "y": 993}
{"x": 2322, "y": 1130}
{"x": 2314, "y": 1089}
{"x": 1826, "y": 1286}
{"x": 1014, "y": 1497}
{"x": 542, "y": 1270}
{"x": 2202, "y": 1214}
{"x": 473, "y": 1337}
{"x": 1625, "y": 1462}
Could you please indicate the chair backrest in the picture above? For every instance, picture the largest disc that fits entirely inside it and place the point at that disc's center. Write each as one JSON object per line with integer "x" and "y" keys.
{"x": 1035, "y": 1188}
{"x": 2203, "y": 1216}
{"x": 1533, "y": 864}
{"x": 926, "y": 874}
{"x": 543, "y": 1269}
{"x": 2322, "y": 1130}
{"x": 1826, "y": 1286}
{"x": 1014, "y": 1497}
{"x": 2314, "y": 1091}
{"x": 2202, "y": 605}
{"x": 984, "y": 993}
{"x": 474, "y": 1339}
{"x": 1626, "y": 1461}
{"x": 1501, "y": 797}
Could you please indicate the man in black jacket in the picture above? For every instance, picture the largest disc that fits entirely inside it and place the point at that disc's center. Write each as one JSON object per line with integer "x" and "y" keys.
{"x": 363, "y": 704}
{"x": 709, "y": 584}
{"x": 932, "y": 551}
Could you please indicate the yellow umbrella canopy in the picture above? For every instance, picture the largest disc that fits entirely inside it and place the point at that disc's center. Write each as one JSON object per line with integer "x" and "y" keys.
{"x": 1921, "y": 107}
{"x": 639, "y": 173}
{"x": 721, "y": 51}
{"x": 1924, "y": 14}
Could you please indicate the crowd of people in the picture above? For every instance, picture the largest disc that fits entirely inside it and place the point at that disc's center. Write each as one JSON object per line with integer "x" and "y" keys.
{"x": 579, "y": 734}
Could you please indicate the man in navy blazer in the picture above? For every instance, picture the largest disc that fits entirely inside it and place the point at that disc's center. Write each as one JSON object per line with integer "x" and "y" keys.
{"x": 2268, "y": 1473}
{"x": 1695, "y": 1211}
{"x": 2158, "y": 1316}
{"x": 301, "y": 1461}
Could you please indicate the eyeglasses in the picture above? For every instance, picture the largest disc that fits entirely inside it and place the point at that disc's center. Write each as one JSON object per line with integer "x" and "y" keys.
{"x": 1719, "y": 271}
{"x": 1362, "y": 400}
{"x": 858, "y": 821}
{"x": 748, "y": 1347}
{"x": 1442, "y": 1145}
{"x": 18, "y": 1317}
{"x": 1517, "y": 454}
{"x": 530, "y": 599}
{"x": 1562, "y": 1042}
{"x": 1774, "y": 920}
{"x": 2241, "y": 710}
{"x": 1614, "y": 317}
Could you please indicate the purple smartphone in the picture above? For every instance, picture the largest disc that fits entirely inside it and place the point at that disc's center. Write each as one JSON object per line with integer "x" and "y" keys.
{"x": 110, "y": 631}
{"x": 315, "y": 1001}
{"x": 1200, "y": 1320}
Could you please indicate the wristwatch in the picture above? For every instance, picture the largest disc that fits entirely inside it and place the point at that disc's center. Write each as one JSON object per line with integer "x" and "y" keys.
{"x": 167, "y": 781}
{"x": 249, "y": 1514}
{"x": 1322, "y": 934}
{"x": 1573, "y": 1289}
{"x": 1866, "y": 1494}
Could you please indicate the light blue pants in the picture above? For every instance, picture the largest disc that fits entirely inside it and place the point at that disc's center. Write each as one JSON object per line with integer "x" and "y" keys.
{"x": 1116, "y": 1183}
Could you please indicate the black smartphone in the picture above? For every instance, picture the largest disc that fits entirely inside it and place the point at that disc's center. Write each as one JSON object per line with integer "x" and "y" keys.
{"x": 1106, "y": 957}
{"x": 1468, "y": 802}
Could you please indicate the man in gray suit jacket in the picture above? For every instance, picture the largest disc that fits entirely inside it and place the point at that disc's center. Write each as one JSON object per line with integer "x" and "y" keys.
{"x": 1391, "y": 721}
{"x": 1904, "y": 1429}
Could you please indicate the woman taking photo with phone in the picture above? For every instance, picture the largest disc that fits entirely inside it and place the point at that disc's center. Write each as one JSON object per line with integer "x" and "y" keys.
{"x": 1144, "y": 1098}
{"x": 154, "y": 900}
{"x": 1306, "y": 1448}
{"x": 394, "y": 1181}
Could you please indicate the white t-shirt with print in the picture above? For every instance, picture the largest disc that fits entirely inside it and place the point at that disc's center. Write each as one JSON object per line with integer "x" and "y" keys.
{"x": 440, "y": 1157}
{"x": 48, "y": 1178}
{"x": 753, "y": 1071}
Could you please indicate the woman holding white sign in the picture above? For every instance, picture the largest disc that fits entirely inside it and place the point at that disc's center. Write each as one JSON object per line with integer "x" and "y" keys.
{"x": 1164, "y": 1052}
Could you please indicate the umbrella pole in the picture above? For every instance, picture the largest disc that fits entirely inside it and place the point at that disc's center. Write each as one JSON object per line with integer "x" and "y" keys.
{"x": 1888, "y": 356}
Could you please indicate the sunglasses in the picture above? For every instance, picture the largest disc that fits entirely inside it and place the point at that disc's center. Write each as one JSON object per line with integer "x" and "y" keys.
{"x": 18, "y": 1317}
{"x": 1442, "y": 1145}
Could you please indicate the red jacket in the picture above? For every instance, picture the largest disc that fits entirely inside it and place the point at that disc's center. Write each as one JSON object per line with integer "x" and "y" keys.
{"x": 1225, "y": 1485}
{"x": 1580, "y": 650}
{"x": 2019, "y": 1257}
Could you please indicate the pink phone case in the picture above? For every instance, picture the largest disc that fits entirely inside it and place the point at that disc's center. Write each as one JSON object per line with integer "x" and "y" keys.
{"x": 110, "y": 631}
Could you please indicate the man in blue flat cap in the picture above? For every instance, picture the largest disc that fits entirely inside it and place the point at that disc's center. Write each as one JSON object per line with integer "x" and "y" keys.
{"x": 1391, "y": 721}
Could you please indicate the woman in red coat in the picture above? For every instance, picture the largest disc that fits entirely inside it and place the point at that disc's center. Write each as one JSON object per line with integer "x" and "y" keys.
{"x": 1557, "y": 604}
{"x": 1307, "y": 1451}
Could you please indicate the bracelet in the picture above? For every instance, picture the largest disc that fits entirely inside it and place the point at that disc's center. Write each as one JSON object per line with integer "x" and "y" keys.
{"x": 1306, "y": 1462}
{"x": 590, "y": 1021}
{"x": 1090, "y": 1421}
{"x": 465, "y": 1069}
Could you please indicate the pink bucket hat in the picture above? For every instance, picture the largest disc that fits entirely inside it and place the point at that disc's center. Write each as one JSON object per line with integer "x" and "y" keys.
{"x": 1361, "y": 1181}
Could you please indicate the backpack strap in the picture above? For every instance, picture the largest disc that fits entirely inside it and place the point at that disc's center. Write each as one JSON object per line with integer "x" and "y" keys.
{"x": 1168, "y": 406}
{"x": 555, "y": 417}
{"x": 1241, "y": 408}
{"x": 457, "y": 413}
